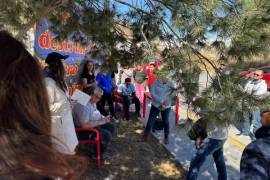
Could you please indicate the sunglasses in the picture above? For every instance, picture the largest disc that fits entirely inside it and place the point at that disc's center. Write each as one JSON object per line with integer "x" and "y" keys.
{"x": 257, "y": 74}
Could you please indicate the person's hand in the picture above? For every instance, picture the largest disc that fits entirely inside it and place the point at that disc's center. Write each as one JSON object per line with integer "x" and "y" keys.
{"x": 73, "y": 103}
{"x": 92, "y": 84}
{"x": 240, "y": 88}
{"x": 107, "y": 119}
{"x": 165, "y": 103}
{"x": 198, "y": 142}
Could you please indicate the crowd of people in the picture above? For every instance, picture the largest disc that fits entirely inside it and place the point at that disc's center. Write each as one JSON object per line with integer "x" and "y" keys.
{"x": 38, "y": 117}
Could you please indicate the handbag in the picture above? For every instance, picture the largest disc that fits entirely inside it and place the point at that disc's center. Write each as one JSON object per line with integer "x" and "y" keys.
{"x": 198, "y": 129}
{"x": 158, "y": 125}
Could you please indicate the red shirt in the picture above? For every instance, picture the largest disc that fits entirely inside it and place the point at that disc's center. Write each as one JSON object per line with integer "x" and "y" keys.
{"x": 149, "y": 71}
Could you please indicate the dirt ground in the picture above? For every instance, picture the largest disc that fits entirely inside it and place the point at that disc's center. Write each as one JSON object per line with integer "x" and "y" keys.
{"x": 135, "y": 160}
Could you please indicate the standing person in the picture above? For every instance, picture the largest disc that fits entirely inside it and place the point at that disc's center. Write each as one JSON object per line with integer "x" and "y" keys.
{"x": 27, "y": 151}
{"x": 151, "y": 71}
{"x": 255, "y": 159}
{"x": 104, "y": 81}
{"x": 162, "y": 93}
{"x": 88, "y": 116}
{"x": 140, "y": 78}
{"x": 217, "y": 136}
{"x": 127, "y": 91}
{"x": 60, "y": 107}
{"x": 88, "y": 76}
{"x": 126, "y": 72}
{"x": 258, "y": 88}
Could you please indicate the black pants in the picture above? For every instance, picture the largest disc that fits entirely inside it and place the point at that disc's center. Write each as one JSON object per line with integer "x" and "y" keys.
{"x": 101, "y": 104}
{"x": 105, "y": 131}
{"x": 134, "y": 100}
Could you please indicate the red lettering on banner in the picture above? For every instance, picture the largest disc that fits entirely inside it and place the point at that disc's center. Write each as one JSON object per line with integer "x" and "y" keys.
{"x": 44, "y": 40}
{"x": 71, "y": 70}
{"x": 69, "y": 46}
{"x": 66, "y": 70}
{"x": 64, "y": 44}
{"x": 53, "y": 44}
{"x": 79, "y": 49}
{"x": 60, "y": 46}
{"x": 74, "y": 70}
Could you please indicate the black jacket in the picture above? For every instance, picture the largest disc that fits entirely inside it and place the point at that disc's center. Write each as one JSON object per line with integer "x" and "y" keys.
{"x": 255, "y": 161}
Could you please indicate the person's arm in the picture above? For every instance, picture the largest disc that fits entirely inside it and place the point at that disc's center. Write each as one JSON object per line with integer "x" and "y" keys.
{"x": 85, "y": 85}
{"x": 91, "y": 124}
{"x": 247, "y": 86}
{"x": 120, "y": 89}
{"x": 89, "y": 117}
{"x": 253, "y": 165}
{"x": 55, "y": 107}
{"x": 99, "y": 81}
{"x": 261, "y": 90}
{"x": 133, "y": 92}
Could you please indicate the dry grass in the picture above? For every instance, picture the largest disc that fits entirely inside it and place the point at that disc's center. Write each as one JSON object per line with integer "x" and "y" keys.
{"x": 134, "y": 160}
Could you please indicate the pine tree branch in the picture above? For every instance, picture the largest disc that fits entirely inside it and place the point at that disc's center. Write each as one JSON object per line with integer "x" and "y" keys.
{"x": 42, "y": 13}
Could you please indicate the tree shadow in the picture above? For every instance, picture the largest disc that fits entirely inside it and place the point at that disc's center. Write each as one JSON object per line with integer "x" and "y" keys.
{"x": 183, "y": 150}
{"x": 135, "y": 160}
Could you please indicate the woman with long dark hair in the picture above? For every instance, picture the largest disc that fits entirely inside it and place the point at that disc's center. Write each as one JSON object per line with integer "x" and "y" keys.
{"x": 62, "y": 122}
{"x": 26, "y": 143}
{"x": 88, "y": 76}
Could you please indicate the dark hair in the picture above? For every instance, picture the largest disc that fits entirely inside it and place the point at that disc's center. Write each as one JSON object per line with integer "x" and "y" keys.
{"x": 266, "y": 111}
{"x": 57, "y": 72}
{"x": 127, "y": 80}
{"x": 25, "y": 122}
{"x": 85, "y": 69}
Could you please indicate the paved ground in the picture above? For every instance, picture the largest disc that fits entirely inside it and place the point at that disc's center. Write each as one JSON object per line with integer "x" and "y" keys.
{"x": 183, "y": 148}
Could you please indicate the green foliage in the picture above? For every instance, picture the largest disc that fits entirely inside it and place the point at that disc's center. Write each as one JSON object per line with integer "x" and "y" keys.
{"x": 225, "y": 99}
{"x": 237, "y": 28}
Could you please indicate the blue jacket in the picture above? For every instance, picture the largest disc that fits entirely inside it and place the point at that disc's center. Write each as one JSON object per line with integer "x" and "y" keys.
{"x": 125, "y": 90}
{"x": 255, "y": 161}
{"x": 105, "y": 82}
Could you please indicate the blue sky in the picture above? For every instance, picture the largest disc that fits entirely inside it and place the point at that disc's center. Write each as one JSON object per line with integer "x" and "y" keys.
{"x": 124, "y": 8}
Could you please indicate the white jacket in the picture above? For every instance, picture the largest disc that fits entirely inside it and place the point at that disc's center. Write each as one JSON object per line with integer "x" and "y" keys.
{"x": 257, "y": 88}
{"x": 63, "y": 130}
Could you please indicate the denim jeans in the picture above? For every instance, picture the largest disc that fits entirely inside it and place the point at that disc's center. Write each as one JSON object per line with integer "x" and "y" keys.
{"x": 154, "y": 111}
{"x": 246, "y": 124}
{"x": 212, "y": 147}
{"x": 256, "y": 123}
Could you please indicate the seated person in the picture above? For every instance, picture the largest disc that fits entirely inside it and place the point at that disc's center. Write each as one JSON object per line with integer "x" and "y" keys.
{"x": 127, "y": 91}
{"x": 88, "y": 117}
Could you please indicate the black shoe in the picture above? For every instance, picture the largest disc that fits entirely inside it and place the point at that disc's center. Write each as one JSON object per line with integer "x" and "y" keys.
{"x": 105, "y": 156}
{"x": 127, "y": 118}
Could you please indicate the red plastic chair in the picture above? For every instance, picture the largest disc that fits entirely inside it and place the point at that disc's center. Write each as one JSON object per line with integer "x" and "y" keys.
{"x": 96, "y": 141}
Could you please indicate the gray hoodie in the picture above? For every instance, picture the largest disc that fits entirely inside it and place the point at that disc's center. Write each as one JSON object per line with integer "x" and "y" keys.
{"x": 162, "y": 92}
